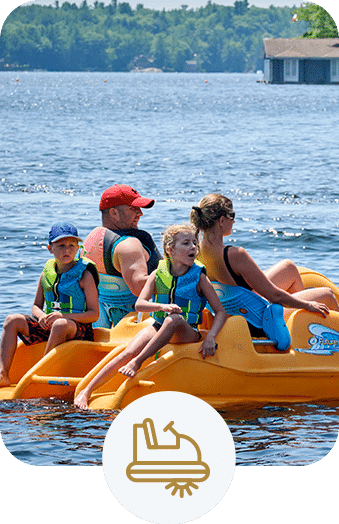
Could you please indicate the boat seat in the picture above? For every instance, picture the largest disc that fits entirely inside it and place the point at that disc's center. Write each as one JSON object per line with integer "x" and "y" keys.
{"x": 101, "y": 334}
{"x": 256, "y": 310}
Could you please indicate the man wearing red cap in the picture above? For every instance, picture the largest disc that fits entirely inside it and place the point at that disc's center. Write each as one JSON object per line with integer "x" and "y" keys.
{"x": 124, "y": 255}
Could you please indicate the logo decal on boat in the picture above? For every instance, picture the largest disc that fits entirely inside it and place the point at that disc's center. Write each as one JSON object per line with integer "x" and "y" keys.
{"x": 325, "y": 341}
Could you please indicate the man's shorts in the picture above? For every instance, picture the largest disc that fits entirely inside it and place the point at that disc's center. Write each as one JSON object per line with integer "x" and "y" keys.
{"x": 38, "y": 334}
{"x": 110, "y": 315}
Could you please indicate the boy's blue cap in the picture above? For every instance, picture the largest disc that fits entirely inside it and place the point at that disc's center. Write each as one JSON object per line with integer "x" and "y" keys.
{"x": 62, "y": 230}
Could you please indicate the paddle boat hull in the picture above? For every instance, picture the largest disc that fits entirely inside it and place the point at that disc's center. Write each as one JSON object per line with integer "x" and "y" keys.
{"x": 242, "y": 372}
{"x": 239, "y": 374}
{"x": 57, "y": 374}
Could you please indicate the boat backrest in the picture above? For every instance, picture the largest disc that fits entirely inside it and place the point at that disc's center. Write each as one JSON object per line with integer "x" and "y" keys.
{"x": 207, "y": 320}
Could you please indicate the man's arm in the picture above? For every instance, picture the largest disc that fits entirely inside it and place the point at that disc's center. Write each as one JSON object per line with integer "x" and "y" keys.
{"x": 130, "y": 259}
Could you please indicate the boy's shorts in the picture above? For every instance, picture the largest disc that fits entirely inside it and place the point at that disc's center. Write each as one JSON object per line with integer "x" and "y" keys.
{"x": 38, "y": 334}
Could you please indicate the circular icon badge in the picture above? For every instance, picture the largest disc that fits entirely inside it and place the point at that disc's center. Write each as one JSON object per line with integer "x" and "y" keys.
{"x": 169, "y": 457}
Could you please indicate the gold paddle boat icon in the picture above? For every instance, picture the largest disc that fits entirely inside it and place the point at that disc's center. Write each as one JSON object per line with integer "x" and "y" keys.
{"x": 179, "y": 464}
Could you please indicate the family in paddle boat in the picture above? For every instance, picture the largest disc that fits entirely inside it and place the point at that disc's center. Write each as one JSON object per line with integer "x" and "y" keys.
{"x": 123, "y": 270}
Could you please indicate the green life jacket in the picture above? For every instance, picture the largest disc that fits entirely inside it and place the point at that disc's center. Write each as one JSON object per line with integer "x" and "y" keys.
{"x": 181, "y": 291}
{"x": 62, "y": 290}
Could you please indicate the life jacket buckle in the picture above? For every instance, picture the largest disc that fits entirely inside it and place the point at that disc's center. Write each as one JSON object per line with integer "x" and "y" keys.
{"x": 56, "y": 306}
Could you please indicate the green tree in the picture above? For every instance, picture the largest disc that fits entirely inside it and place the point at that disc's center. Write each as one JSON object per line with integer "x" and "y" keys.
{"x": 234, "y": 57}
{"x": 320, "y": 23}
{"x": 159, "y": 51}
{"x": 125, "y": 9}
{"x": 101, "y": 37}
{"x": 240, "y": 7}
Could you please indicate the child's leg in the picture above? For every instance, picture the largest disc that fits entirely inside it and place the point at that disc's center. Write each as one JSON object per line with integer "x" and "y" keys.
{"x": 174, "y": 329}
{"x": 132, "y": 349}
{"x": 62, "y": 330}
{"x": 13, "y": 325}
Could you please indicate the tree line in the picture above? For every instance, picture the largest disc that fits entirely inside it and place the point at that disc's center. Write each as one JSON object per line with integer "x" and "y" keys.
{"x": 67, "y": 37}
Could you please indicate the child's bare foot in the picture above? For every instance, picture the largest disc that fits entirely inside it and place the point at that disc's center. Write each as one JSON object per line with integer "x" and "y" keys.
{"x": 130, "y": 369}
{"x": 81, "y": 400}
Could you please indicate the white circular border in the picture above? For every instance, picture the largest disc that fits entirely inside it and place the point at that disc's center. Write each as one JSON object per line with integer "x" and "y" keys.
{"x": 192, "y": 417}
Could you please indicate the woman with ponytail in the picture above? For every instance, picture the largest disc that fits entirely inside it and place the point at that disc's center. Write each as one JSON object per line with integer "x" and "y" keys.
{"x": 213, "y": 219}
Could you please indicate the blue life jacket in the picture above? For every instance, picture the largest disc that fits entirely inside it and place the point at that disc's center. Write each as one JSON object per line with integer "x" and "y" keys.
{"x": 62, "y": 290}
{"x": 181, "y": 291}
{"x": 257, "y": 311}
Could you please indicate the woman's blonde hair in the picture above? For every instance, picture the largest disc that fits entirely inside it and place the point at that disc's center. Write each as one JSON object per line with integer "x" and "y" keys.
{"x": 209, "y": 210}
{"x": 170, "y": 234}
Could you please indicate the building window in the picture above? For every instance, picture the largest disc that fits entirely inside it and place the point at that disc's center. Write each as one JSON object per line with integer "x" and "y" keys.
{"x": 335, "y": 70}
{"x": 291, "y": 70}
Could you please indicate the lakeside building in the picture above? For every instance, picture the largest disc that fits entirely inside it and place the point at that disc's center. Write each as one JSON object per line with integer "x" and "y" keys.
{"x": 301, "y": 60}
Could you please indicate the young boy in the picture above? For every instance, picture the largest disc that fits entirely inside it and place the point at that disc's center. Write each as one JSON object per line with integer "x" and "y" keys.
{"x": 68, "y": 286}
{"x": 180, "y": 289}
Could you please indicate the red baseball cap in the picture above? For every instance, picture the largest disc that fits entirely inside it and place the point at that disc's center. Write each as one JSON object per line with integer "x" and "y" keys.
{"x": 121, "y": 195}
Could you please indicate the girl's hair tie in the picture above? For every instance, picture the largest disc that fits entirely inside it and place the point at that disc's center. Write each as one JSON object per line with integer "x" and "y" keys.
{"x": 198, "y": 210}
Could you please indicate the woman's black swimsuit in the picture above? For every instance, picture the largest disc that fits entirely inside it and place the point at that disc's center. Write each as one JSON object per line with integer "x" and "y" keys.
{"x": 238, "y": 279}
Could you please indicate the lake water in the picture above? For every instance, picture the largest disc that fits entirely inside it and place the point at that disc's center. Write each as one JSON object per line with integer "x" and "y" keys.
{"x": 174, "y": 137}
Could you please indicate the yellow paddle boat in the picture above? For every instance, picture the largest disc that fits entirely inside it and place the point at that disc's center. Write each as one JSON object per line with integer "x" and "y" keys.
{"x": 243, "y": 370}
